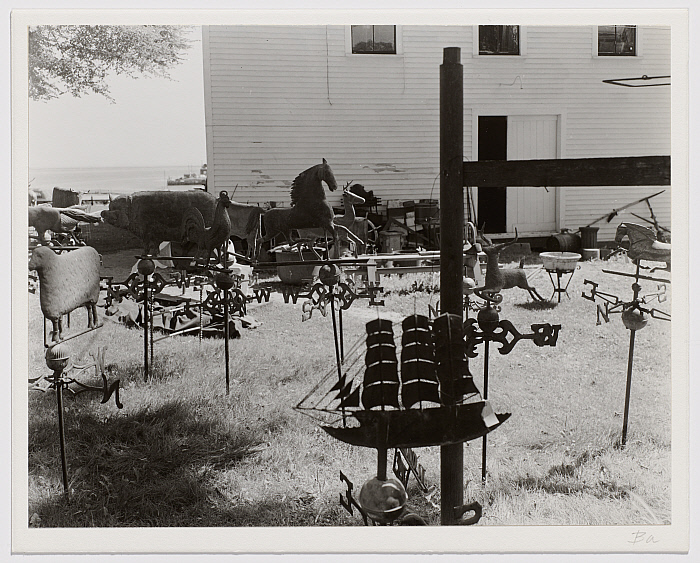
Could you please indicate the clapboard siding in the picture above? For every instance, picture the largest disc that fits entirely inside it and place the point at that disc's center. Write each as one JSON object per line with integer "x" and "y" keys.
{"x": 281, "y": 98}
{"x": 587, "y": 204}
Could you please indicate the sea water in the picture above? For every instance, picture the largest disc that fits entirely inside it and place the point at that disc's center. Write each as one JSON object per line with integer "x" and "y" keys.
{"x": 108, "y": 180}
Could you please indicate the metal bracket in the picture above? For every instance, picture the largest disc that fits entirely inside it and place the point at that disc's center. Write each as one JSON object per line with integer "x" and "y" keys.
{"x": 403, "y": 470}
{"x": 349, "y": 501}
{"x": 99, "y": 365}
{"x": 543, "y": 335}
{"x": 462, "y": 510}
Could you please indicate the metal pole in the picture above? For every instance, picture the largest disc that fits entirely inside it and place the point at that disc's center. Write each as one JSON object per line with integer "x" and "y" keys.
{"x": 628, "y": 389}
{"x": 335, "y": 337}
{"x": 226, "y": 335}
{"x": 486, "y": 396}
{"x": 636, "y": 288}
{"x": 145, "y": 328}
{"x": 201, "y": 312}
{"x": 340, "y": 328}
{"x": 150, "y": 326}
{"x": 61, "y": 429}
{"x": 451, "y": 252}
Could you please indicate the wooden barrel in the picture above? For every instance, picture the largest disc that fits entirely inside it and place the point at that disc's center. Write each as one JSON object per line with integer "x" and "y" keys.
{"x": 564, "y": 242}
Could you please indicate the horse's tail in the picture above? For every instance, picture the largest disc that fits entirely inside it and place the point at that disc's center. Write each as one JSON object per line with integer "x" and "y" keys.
{"x": 270, "y": 224}
{"x": 254, "y": 223}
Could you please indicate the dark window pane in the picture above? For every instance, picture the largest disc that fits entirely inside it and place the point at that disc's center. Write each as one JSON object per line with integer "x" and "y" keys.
{"x": 499, "y": 40}
{"x": 361, "y": 38}
{"x": 617, "y": 40}
{"x": 384, "y": 38}
{"x": 373, "y": 38}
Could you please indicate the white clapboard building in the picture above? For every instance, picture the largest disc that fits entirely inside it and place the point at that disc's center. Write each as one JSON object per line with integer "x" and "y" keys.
{"x": 279, "y": 99}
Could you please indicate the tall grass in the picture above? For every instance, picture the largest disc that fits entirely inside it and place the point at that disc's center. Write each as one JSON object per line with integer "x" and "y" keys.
{"x": 184, "y": 453}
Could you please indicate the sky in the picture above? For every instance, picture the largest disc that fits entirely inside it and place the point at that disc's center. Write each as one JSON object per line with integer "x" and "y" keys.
{"x": 154, "y": 122}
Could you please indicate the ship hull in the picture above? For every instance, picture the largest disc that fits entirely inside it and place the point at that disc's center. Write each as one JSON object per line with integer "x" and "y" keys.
{"x": 416, "y": 428}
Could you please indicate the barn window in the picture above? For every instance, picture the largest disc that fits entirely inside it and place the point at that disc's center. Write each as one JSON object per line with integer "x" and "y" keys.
{"x": 617, "y": 40}
{"x": 499, "y": 39}
{"x": 373, "y": 39}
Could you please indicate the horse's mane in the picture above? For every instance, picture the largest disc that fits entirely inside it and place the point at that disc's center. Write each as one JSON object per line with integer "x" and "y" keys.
{"x": 301, "y": 184}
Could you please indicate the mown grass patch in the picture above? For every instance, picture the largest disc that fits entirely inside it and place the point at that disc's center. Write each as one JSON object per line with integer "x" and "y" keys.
{"x": 184, "y": 453}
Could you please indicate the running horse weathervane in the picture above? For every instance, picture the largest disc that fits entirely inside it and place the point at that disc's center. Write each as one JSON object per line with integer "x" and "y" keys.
{"x": 309, "y": 206}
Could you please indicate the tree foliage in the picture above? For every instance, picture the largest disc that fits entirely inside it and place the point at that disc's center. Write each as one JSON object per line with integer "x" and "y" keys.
{"x": 77, "y": 59}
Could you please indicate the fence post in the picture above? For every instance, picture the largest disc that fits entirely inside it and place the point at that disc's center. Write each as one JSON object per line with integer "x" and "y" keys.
{"x": 451, "y": 251}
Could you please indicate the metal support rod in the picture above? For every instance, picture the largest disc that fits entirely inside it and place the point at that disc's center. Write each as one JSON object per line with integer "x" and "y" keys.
{"x": 451, "y": 253}
{"x": 61, "y": 429}
{"x": 340, "y": 327}
{"x": 382, "y": 449}
{"x": 636, "y": 288}
{"x": 628, "y": 389}
{"x": 636, "y": 276}
{"x": 486, "y": 396}
{"x": 201, "y": 312}
{"x": 335, "y": 337}
{"x": 226, "y": 335}
{"x": 381, "y": 464}
{"x": 150, "y": 326}
{"x": 145, "y": 328}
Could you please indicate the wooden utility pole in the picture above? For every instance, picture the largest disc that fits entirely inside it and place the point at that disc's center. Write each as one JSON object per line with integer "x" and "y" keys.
{"x": 451, "y": 252}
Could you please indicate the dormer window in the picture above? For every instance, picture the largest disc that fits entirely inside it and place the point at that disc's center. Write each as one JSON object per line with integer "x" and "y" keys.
{"x": 499, "y": 39}
{"x": 617, "y": 40}
{"x": 373, "y": 39}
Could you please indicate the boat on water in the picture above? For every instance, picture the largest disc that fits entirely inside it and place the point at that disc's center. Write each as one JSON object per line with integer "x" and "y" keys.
{"x": 190, "y": 179}
{"x": 432, "y": 400}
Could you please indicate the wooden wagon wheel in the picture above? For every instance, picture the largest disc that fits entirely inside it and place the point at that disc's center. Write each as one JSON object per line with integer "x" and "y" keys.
{"x": 372, "y": 238}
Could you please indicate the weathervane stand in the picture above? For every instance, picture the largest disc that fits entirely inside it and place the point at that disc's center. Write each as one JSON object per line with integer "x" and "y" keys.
{"x": 451, "y": 253}
{"x": 634, "y": 317}
{"x": 58, "y": 360}
{"x": 146, "y": 267}
{"x": 487, "y": 327}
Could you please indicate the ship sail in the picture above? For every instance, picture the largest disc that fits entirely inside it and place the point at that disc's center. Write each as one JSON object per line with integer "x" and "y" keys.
{"x": 418, "y": 369}
{"x": 346, "y": 396}
{"x": 380, "y": 387}
{"x": 452, "y": 370}
{"x": 434, "y": 371}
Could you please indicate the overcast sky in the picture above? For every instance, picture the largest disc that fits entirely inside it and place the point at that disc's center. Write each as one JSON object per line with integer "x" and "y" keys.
{"x": 154, "y": 122}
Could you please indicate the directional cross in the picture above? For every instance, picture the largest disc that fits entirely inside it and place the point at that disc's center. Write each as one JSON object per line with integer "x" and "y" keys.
{"x": 542, "y": 335}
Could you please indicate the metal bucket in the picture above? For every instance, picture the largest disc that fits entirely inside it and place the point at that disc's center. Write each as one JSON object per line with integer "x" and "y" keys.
{"x": 589, "y": 237}
{"x": 564, "y": 242}
{"x": 297, "y": 274}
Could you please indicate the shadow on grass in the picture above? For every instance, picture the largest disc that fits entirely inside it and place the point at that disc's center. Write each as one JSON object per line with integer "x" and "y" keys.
{"x": 537, "y": 305}
{"x": 565, "y": 478}
{"x": 152, "y": 468}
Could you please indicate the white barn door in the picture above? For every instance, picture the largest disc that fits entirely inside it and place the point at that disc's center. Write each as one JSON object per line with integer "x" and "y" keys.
{"x": 531, "y": 137}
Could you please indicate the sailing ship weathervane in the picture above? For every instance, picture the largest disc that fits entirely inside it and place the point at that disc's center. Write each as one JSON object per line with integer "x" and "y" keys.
{"x": 430, "y": 401}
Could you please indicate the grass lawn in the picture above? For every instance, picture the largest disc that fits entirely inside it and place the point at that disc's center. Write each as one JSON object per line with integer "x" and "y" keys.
{"x": 183, "y": 453}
